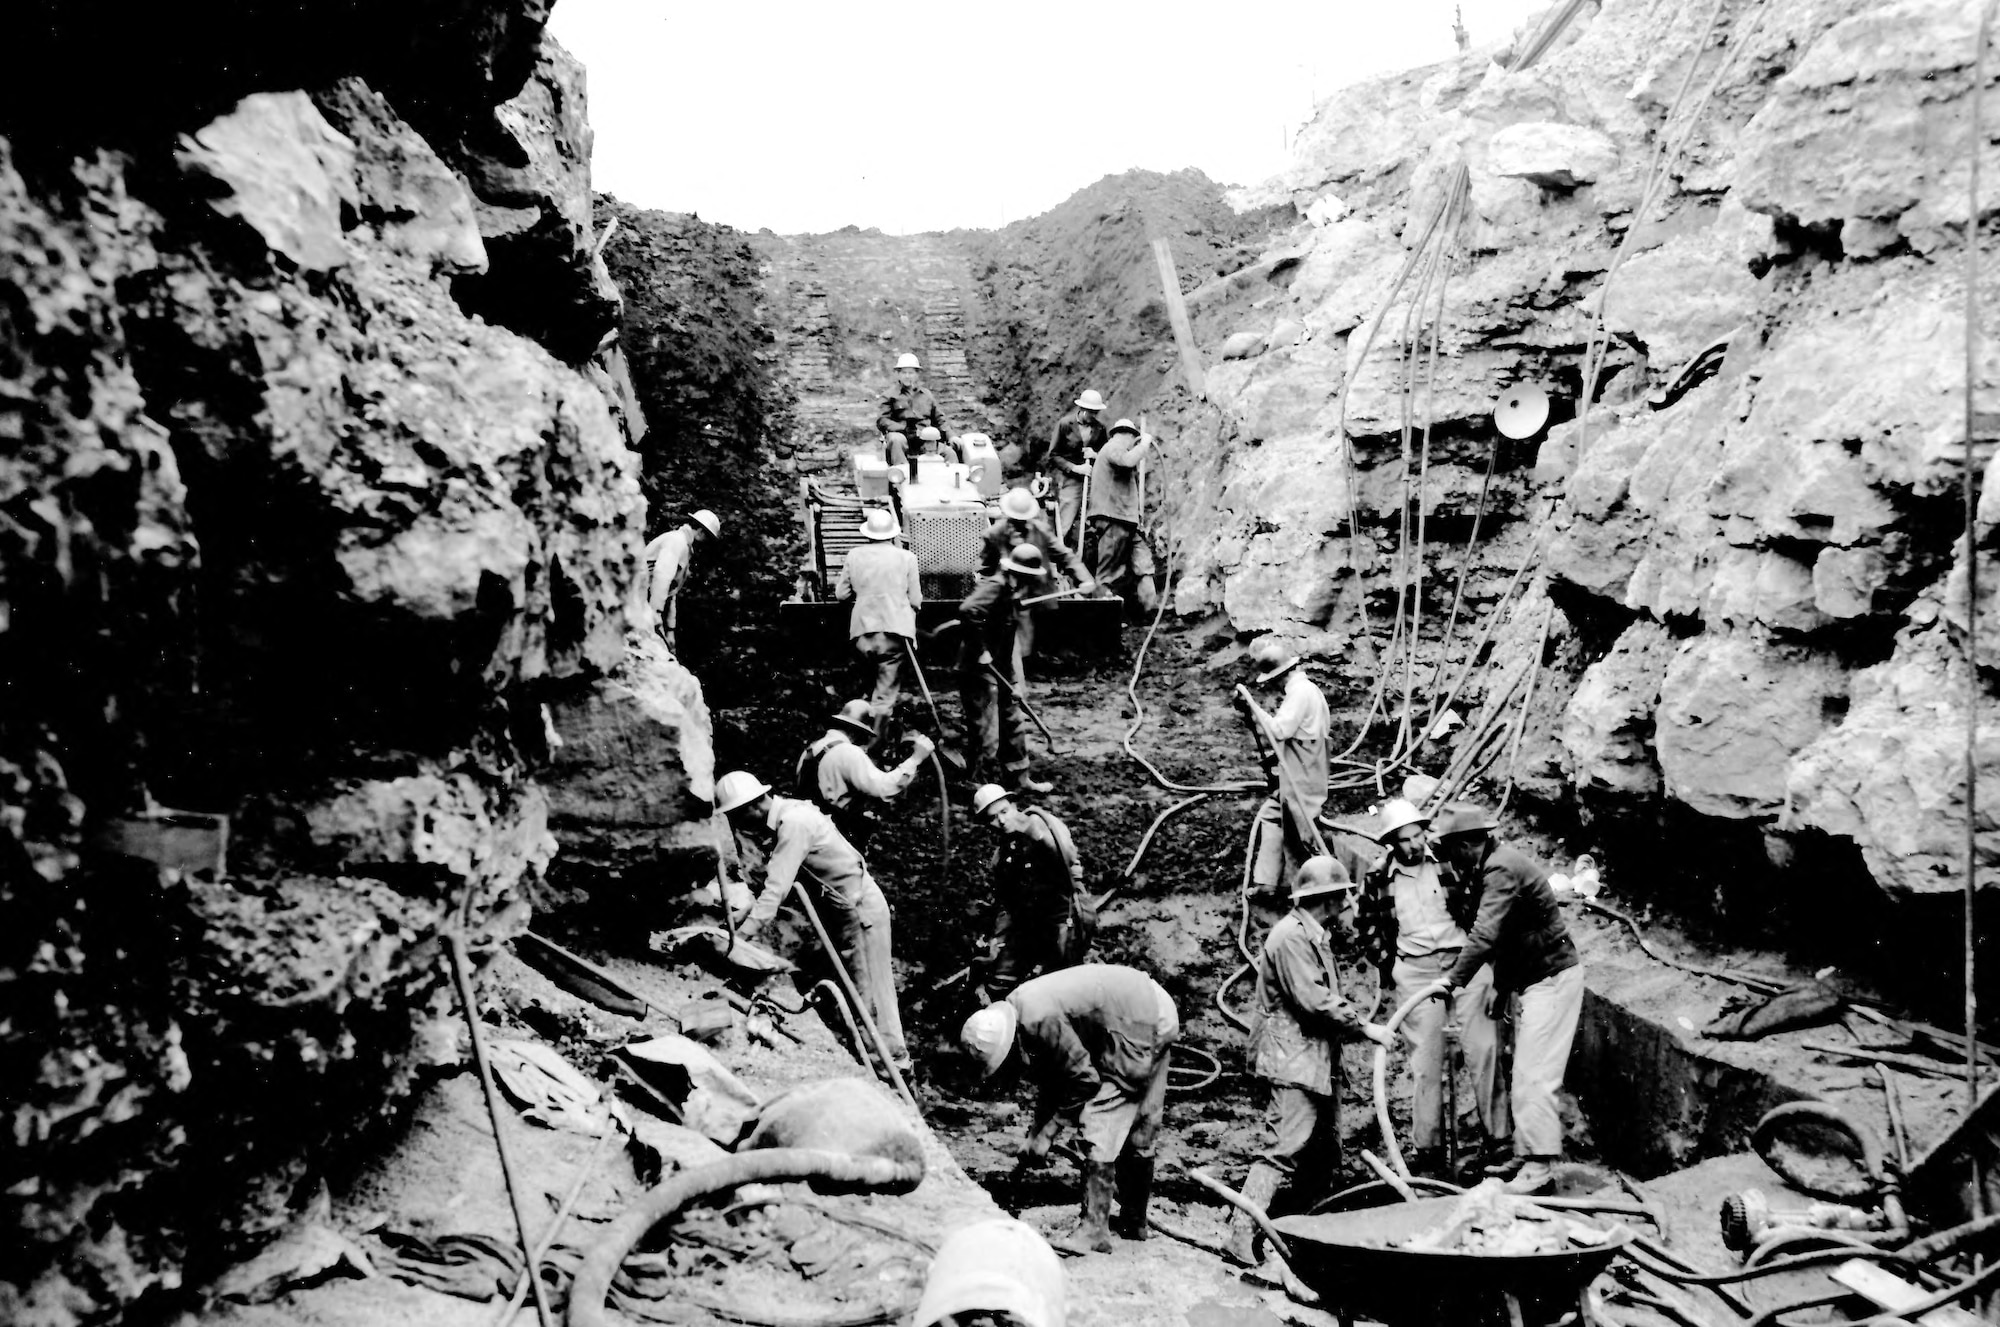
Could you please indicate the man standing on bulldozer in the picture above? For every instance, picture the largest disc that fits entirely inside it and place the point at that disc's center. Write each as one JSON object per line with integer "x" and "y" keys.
{"x": 1073, "y": 445}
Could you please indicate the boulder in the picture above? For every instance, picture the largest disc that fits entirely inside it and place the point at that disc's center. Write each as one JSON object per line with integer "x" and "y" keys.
{"x": 1607, "y": 729}
{"x": 854, "y": 1116}
{"x": 1733, "y": 713}
{"x": 274, "y": 162}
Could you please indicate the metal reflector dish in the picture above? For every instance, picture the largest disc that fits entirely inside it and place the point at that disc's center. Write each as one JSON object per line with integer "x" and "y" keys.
{"x": 1522, "y": 410}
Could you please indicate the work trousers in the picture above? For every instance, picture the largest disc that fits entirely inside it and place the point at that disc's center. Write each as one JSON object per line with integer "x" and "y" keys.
{"x": 882, "y": 651}
{"x": 993, "y": 731}
{"x": 1111, "y": 563}
{"x": 1277, "y": 857}
{"x": 1305, "y": 1146}
{"x": 1069, "y": 507}
{"x": 1116, "y": 1122}
{"x": 861, "y": 933}
{"x": 1544, "y": 1029}
{"x": 1027, "y": 942}
{"x": 1478, "y": 1038}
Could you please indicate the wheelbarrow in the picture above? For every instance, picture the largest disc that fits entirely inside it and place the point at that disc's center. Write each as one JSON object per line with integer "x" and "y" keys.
{"x": 1344, "y": 1257}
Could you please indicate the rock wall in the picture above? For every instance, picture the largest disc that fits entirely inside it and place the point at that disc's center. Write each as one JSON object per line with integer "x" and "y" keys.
{"x": 1753, "y": 549}
{"x": 291, "y": 539}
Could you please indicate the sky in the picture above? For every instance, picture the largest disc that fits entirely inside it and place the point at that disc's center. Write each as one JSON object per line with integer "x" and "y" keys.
{"x": 806, "y": 117}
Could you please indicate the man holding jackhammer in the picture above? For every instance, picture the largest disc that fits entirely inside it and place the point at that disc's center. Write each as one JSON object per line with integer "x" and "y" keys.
{"x": 1413, "y": 920}
{"x": 835, "y": 774}
{"x": 1096, "y": 1041}
{"x": 1296, "y": 1030}
{"x": 1518, "y": 930}
{"x": 1041, "y": 916}
{"x": 1294, "y": 743}
{"x": 799, "y": 841}
{"x": 989, "y": 674}
{"x": 1021, "y": 523}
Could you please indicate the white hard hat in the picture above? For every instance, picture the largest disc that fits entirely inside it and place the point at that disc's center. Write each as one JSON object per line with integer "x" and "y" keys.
{"x": 1017, "y": 504}
{"x": 986, "y": 795}
{"x": 707, "y": 521}
{"x": 1125, "y": 426}
{"x": 928, "y": 434}
{"x": 1397, "y": 813}
{"x": 738, "y": 789}
{"x": 989, "y": 1034}
{"x": 1090, "y": 400}
{"x": 907, "y": 361}
{"x": 881, "y": 524}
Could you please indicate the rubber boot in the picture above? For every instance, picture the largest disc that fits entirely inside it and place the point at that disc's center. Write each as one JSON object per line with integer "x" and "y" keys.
{"x": 1092, "y": 1233}
{"x": 1258, "y": 1188}
{"x": 1135, "y": 1191}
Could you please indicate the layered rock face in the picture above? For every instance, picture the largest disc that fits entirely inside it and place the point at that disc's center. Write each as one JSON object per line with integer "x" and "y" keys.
{"x": 290, "y": 539}
{"x": 1752, "y": 538}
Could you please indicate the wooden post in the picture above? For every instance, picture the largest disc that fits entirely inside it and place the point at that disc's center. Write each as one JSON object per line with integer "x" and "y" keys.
{"x": 1177, "y": 314}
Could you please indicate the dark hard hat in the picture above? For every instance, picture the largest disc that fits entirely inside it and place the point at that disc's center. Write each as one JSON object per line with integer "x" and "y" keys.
{"x": 1462, "y": 818}
{"x": 857, "y": 717}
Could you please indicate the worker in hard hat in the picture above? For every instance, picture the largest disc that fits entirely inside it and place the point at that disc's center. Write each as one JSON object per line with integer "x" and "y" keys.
{"x": 670, "y": 556}
{"x": 989, "y": 620}
{"x": 1042, "y": 918}
{"x": 1293, "y": 741}
{"x": 1518, "y": 934}
{"x": 910, "y": 409}
{"x": 801, "y": 844}
{"x": 1022, "y": 522}
{"x": 1412, "y": 926}
{"x": 1117, "y": 505}
{"x": 835, "y": 773}
{"x": 1297, "y": 1027}
{"x": 1073, "y": 445}
{"x": 884, "y": 582}
{"x": 1095, "y": 1039}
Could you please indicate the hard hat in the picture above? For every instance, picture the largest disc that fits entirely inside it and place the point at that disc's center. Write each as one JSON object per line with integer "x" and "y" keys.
{"x": 1522, "y": 410}
{"x": 1025, "y": 559}
{"x": 706, "y": 520}
{"x": 928, "y": 434}
{"x": 737, "y": 789}
{"x": 1463, "y": 818}
{"x": 1273, "y": 657}
{"x": 881, "y": 524}
{"x": 1397, "y": 813}
{"x": 1090, "y": 400}
{"x": 996, "y": 1270}
{"x": 989, "y": 1034}
{"x": 1018, "y": 504}
{"x": 1320, "y": 875}
{"x": 986, "y": 795}
{"x": 907, "y": 361}
{"x": 1125, "y": 426}
{"x": 856, "y": 716}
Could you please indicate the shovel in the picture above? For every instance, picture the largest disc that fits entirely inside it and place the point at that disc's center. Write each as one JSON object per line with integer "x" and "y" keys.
{"x": 952, "y": 758}
{"x": 1008, "y": 687}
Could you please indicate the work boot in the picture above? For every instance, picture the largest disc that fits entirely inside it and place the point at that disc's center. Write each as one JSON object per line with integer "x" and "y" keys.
{"x": 1135, "y": 1190}
{"x": 1536, "y": 1174}
{"x": 1028, "y": 783}
{"x": 1428, "y": 1162}
{"x": 1091, "y": 1234}
{"x": 1259, "y": 1187}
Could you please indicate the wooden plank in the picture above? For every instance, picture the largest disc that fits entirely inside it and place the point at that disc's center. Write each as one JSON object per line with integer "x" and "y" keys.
{"x": 1177, "y": 314}
{"x": 1885, "y": 1290}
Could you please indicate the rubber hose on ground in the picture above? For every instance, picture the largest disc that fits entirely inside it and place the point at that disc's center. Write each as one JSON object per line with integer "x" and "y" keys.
{"x": 777, "y": 1165}
{"x": 1223, "y": 1005}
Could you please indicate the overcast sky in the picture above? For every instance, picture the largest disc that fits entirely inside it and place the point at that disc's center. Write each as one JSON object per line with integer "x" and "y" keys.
{"x": 807, "y": 117}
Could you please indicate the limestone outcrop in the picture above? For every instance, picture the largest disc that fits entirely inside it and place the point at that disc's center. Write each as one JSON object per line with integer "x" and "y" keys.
{"x": 304, "y": 569}
{"x": 1752, "y": 536}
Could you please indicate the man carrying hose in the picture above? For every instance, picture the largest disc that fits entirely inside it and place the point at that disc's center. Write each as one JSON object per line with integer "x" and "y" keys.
{"x": 1117, "y": 502}
{"x": 1296, "y": 1029}
{"x": 1295, "y": 741}
{"x": 1021, "y": 523}
{"x": 1518, "y": 930}
{"x": 1096, "y": 1040}
{"x": 1412, "y": 925}
{"x": 993, "y": 732}
{"x": 799, "y": 841}
{"x": 1040, "y": 915}
{"x": 836, "y": 775}
{"x": 887, "y": 590}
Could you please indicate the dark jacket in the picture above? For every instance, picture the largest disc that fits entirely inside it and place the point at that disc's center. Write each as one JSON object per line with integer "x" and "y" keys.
{"x": 1031, "y": 873}
{"x": 1000, "y": 541}
{"x": 1519, "y": 926}
{"x": 1084, "y": 1025}
{"x": 1375, "y": 917}
{"x": 1066, "y": 443}
{"x": 989, "y": 615}
{"x": 906, "y": 412}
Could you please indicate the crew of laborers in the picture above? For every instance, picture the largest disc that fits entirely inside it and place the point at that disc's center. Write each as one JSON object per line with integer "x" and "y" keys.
{"x": 669, "y": 558}
{"x": 884, "y": 582}
{"x": 1455, "y": 924}
{"x": 836, "y": 775}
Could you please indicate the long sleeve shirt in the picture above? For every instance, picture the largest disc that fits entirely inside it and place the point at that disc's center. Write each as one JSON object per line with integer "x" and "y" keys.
{"x": 1301, "y": 1016}
{"x": 843, "y": 772}
{"x": 886, "y": 587}
{"x": 1519, "y": 926}
{"x": 1115, "y": 491}
{"x": 1067, "y": 440}
{"x": 1302, "y": 731}
{"x": 669, "y": 558}
{"x": 1085, "y": 1025}
{"x": 1031, "y": 874}
{"x": 989, "y": 614}
{"x": 1410, "y": 910}
{"x": 808, "y": 845}
{"x": 905, "y": 412}
{"x": 1001, "y": 537}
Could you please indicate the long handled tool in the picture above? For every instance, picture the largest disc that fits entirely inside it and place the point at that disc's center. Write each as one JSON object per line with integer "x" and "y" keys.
{"x": 1008, "y": 687}
{"x": 937, "y": 720}
{"x": 1070, "y": 593}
